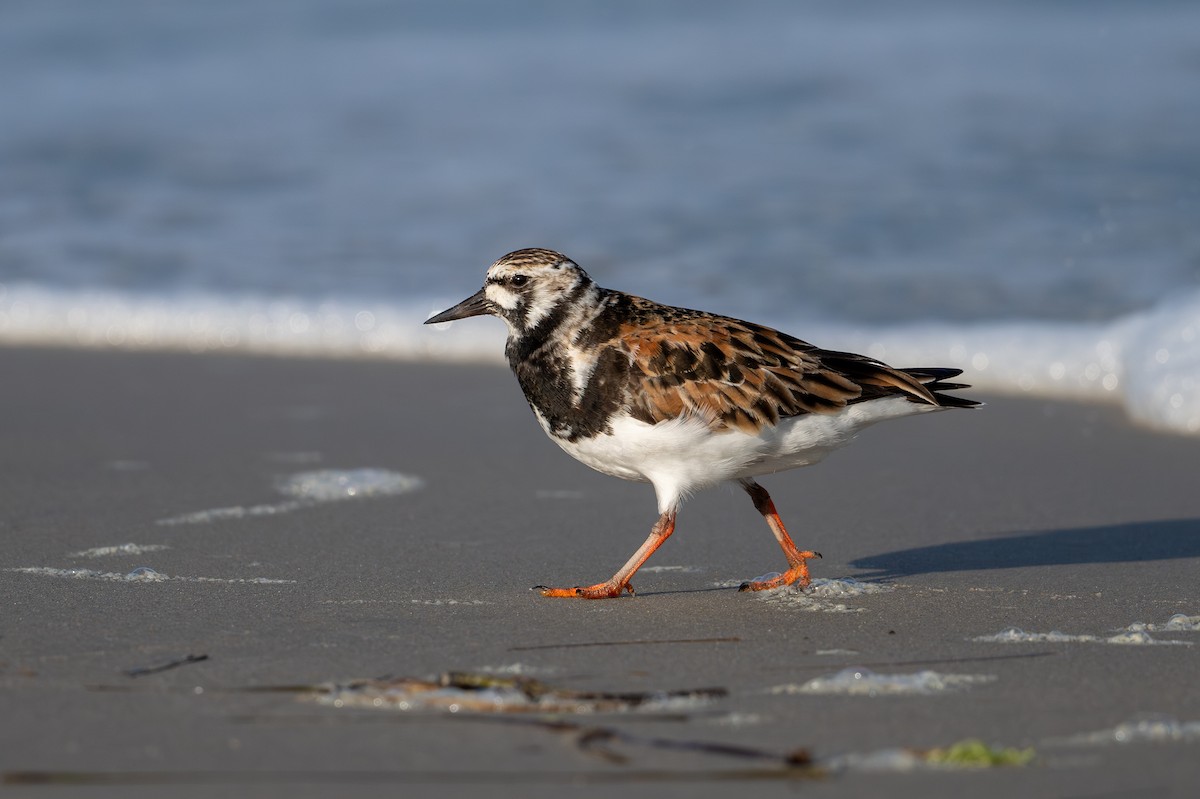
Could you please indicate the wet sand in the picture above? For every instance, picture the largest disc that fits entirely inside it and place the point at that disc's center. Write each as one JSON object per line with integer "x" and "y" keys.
{"x": 1044, "y": 516}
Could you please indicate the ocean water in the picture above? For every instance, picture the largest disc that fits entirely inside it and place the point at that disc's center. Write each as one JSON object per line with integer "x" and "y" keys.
{"x": 1009, "y": 188}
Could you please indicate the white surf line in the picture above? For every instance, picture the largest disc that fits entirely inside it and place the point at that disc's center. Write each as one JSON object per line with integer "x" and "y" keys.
{"x": 864, "y": 682}
{"x": 142, "y": 574}
{"x": 118, "y": 549}
{"x": 1015, "y": 635}
{"x": 306, "y": 489}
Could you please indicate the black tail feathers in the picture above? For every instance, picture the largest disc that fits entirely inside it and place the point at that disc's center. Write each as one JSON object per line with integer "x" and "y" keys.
{"x": 934, "y": 378}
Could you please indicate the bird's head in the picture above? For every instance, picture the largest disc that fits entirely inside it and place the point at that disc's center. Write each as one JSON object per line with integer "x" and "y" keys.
{"x": 523, "y": 288}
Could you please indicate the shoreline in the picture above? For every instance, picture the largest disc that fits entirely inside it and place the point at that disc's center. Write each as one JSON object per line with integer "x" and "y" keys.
{"x": 1139, "y": 361}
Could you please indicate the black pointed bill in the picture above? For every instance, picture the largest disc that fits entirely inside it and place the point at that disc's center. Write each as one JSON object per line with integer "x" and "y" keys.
{"x": 474, "y": 305}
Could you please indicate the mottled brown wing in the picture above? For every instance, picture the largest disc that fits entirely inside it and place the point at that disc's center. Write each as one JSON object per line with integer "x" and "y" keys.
{"x": 732, "y": 374}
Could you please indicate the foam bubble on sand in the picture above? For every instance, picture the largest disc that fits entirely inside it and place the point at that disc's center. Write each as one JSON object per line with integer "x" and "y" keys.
{"x": 820, "y": 593}
{"x": 118, "y": 549}
{"x": 142, "y": 574}
{"x": 312, "y": 488}
{"x": 829, "y": 588}
{"x": 335, "y": 485}
{"x": 864, "y": 682}
{"x": 735, "y": 719}
{"x": 516, "y": 669}
{"x": 235, "y": 512}
{"x": 1145, "y": 729}
{"x": 970, "y": 753}
{"x": 1179, "y": 623}
{"x": 1015, "y": 635}
{"x": 145, "y": 574}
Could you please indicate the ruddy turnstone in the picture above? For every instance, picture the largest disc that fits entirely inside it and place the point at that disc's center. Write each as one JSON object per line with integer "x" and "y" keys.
{"x": 683, "y": 399}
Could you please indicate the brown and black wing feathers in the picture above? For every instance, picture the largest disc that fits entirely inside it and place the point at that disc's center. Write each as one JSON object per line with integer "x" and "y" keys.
{"x": 741, "y": 375}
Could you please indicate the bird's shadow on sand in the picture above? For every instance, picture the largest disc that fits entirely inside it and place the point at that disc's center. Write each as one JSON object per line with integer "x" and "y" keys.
{"x": 1118, "y": 543}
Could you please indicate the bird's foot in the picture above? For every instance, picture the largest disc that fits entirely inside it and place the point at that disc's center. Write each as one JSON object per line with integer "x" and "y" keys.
{"x": 609, "y": 590}
{"x": 797, "y": 574}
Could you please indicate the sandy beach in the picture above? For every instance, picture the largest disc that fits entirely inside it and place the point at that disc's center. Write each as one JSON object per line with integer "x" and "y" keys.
{"x": 939, "y": 534}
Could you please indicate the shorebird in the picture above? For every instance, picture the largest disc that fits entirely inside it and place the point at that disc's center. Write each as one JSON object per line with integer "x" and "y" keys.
{"x": 683, "y": 399}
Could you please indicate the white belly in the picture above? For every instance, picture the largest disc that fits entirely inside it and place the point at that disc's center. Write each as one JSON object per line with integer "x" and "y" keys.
{"x": 685, "y": 455}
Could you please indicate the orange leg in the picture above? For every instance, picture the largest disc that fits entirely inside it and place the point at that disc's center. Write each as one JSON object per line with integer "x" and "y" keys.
{"x": 619, "y": 582}
{"x": 797, "y": 560}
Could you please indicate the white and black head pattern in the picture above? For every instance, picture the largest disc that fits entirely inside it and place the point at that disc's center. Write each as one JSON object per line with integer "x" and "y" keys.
{"x": 556, "y": 317}
{"x": 534, "y": 288}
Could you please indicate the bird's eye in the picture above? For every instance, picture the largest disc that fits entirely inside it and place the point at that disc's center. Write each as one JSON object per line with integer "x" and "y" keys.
{"x": 519, "y": 280}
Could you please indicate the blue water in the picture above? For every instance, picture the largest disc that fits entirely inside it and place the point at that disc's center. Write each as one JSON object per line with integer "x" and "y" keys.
{"x": 1012, "y": 188}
